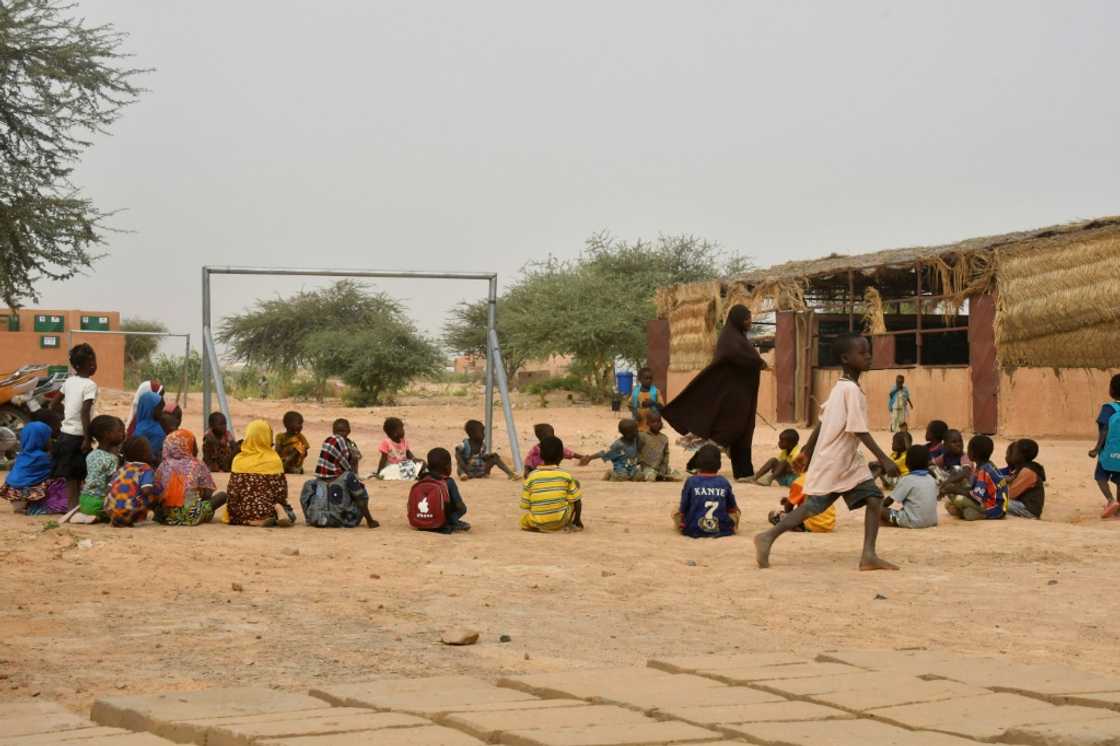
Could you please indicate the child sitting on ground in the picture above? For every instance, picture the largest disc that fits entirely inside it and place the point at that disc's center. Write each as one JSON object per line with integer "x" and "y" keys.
{"x": 218, "y": 448}
{"x": 336, "y": 498}
{"x": 1026, "y": 489}
{"x": 935, "y": 437}
{"x": 551, "y": 497}
{"x": 397, "y": 461}
{"x": 544, "y": 430}
{"x": 623, "y": 455}
{"x": 1107, "y": 449}
{"x": 645, "y": 400}
{"x": 900, "y": 444}
{"x": 653, "y": 454}
{"x": 29, "y": 485}
{"x": 340, "y": 428}
{"x": 291, "y": 445}
{"x": 915, "y": 494}
{"x": 434, "y": 502}
{"x": 707, "y": 507}
{"x": 101, "y": 465}
{"x": 821, "y": 523}
{"x": 132, "y": 490}
{"x": 987, "y": 498}
{"x": 953, "y": 469}
{"x": 779, "y": 468}
{"x": 473, "y": 460}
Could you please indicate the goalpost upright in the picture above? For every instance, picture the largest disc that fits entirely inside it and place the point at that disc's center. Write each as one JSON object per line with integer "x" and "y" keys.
{"x": 212, "y": 372}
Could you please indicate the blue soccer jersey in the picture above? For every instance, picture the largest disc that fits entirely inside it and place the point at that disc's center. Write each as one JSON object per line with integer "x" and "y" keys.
{"x": 706, "y": 506}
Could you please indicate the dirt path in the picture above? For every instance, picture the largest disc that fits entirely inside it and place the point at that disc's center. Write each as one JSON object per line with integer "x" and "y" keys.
{"x": 154, "y": 607}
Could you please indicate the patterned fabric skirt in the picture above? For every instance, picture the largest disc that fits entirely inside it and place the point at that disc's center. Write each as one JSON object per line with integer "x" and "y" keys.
{"x": 45, "y": 498}
{"x": 253, "y": 497}
{"x": 192, "y": 512}
{"x": 126, "y": 509}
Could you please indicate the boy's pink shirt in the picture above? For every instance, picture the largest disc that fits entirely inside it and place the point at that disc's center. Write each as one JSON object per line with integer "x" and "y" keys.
{"x": 533, "y": 460}
{"x": 836, "y": 465}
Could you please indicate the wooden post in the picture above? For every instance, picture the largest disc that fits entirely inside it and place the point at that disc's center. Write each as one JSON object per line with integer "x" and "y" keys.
{"x": 918, "y": 325}
{"x": 851, "y": 303}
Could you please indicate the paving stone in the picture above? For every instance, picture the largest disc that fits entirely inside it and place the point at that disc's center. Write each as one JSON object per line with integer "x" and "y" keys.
{"x": 913, "y": 662}
{"x": 527, "y": 704}
{"x": 426, "y": 700}
{"x": 873, "y": 689}
{"x": 1093, "y": 733}
{"x": 397, "y": 685}
{"x": 716, "y": 696}
{"x": 987, "y": 717}
{"x": 159, "y": 713}
{"x": 246, "y": 731}
{"x": 761, "y": 713}
{"x": 648, "y": 734}
{"x": 589, "y": 684}
{"x": 843, "y": 733}
{"x": 754, "y": 674}
{"x": 694, "y": 663}
{"x": 489, "y": 725}
{"x": 1047, "y": 680}
{"x": 430, "y": 735}
{"x": 30, "y": 717}
{"x": 1107, "y": 700}
{"x": 87, "y": 737}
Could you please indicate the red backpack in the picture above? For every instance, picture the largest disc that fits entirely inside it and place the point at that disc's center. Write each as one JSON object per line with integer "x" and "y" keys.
{"x": 426, "y": 501}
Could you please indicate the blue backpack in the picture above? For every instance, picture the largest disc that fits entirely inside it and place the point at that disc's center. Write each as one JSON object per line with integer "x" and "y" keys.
{"x": 1110, "y": 453}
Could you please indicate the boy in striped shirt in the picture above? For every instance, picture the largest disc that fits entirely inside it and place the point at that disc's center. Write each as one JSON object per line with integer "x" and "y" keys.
{"x": 551, "y": 496}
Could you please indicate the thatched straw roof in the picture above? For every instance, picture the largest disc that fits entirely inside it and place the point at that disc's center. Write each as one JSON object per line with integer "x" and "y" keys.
{"x": 841, "y": 263}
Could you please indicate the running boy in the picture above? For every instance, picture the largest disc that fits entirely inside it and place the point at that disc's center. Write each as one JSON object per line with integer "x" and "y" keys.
{"x": 835, "y": 468}
{"x": 551, "y": 497}
{"x": 473, "y": 459}
{"x": 645, "y": 400}
{"x": 291, "y": 444}
{"x": 79, "y": 393}
{"x": 780, "y": 467}
{"x": 708, "y": 507}
{"x": 1107, "y": 449}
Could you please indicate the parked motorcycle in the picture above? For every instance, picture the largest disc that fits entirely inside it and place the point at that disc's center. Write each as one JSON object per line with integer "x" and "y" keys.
{"x": 24, "y": 392}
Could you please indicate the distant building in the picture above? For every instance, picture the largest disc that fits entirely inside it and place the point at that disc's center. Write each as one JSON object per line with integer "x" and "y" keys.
{"x": 533, "y": 370}
{"x": 33, "y": 336}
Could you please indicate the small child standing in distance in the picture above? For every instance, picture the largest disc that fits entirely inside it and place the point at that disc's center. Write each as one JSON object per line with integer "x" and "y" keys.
{"x": 653, "y": 454}
{"x": 436, "y": 484}
{"x": 915, "y": 494}
{"x": 935, "y": 437}
{"x": 79, "y": 393}
{"x": 899, "y": 405}
{"x": 1026, "y": 492}
{"x": 836, "y": 469}
{"x": 396, "y": 453}
{"x": 987, "y": 500}
{"x": 623, "y": 454}
{"x": 217, "y": 444}
{"x": 291, "y": 445}
{"x": 780, "y": 467}
{"x": 544, "y": 430}
{"x": 645, "y": 400}
{"x": 708, "y": 507}
{"x": 551, "y": 497}
{"x": 1107, "y": 449}
{"x": 473, "y": 460}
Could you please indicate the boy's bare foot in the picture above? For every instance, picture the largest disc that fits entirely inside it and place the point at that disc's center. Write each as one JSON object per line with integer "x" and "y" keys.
{"x": 875, "y": 562}
{"x": 762, "y": 544}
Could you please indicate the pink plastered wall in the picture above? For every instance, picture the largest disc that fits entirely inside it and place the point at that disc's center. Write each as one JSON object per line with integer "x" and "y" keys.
{"x": 1055, "y": 403}
{"x": 937, "y": 393}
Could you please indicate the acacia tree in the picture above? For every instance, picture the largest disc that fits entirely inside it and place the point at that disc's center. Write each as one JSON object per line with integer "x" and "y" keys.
{"x": 139, "y": 348}
{"x": 465, "y": 332}
{"x": 342, "y": 330}
{"x": 61, "y": 82}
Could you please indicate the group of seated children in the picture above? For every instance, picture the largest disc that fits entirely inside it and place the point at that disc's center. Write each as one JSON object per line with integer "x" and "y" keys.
{"x": 637, "y": 456}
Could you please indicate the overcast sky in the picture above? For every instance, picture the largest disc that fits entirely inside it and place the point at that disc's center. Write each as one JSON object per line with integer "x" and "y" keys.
{"x": 480, "y": 135}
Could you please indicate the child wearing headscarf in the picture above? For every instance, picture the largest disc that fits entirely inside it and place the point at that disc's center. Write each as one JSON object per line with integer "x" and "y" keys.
{"x": 256, "y": 482}
{"x": 29, "y": 486}
{"x": 147, "y": 425}
{"x": 187, "y": 496}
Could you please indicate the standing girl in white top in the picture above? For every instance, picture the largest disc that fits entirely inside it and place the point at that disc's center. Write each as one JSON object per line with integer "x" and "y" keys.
{"x": 836, "y": 468}
{"x": 79, "y": 393}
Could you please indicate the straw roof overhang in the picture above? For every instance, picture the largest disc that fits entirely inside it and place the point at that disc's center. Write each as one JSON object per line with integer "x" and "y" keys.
{"x": 837, "y": 266}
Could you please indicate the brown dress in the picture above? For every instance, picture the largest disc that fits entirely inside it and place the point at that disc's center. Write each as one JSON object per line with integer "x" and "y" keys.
{"x": 721, "y": 402}
{"x": 253, "y": 497}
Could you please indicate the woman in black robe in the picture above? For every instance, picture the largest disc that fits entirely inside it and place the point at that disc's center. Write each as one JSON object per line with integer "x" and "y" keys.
{"x": 721, "y": 402}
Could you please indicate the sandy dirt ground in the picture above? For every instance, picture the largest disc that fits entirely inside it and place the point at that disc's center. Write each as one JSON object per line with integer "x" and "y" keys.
{"x": 155, "y": 608}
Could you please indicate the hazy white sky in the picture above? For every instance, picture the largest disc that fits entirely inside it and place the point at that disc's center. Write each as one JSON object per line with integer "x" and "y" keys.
{"x": 480, "y": 135}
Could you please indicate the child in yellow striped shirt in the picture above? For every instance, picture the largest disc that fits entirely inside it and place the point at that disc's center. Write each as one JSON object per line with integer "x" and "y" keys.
{"x": 551, "y": 497}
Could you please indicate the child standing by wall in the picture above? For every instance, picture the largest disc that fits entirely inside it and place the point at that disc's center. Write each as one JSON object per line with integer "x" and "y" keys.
{"x": 1026, "y": 489}
{"x": 707, "y": 507}
{"x": 623, "y": 454}
{"x": 291, "y": 445}
{"x": 899, "y": 405}
{"x": 397, "y": 461}
{"x": 645, "y": 400}
{"x": 217, "y": 444}
{"x": 551, "y": 497}
{"x": 1107, "y": 449}
{"x": 915, "y": 494}
{"x": 79, "y": 393}
{"x": 473, "y": 460}
{"x": 101, "y": 465}
{"x": 836, "y": 468}
{"x": 987, "y": 499}
{"x": 544, "y": 430}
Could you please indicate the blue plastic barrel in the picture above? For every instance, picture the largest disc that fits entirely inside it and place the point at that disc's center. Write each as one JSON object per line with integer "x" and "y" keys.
{"x": 625, "y": 382}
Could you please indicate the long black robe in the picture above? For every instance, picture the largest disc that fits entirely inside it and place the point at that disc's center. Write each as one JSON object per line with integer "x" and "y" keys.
{"x": 720, "y": 403}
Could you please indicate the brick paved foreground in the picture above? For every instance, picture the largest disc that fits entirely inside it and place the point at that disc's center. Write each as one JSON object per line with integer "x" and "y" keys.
{"x": 843, "y": 698}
